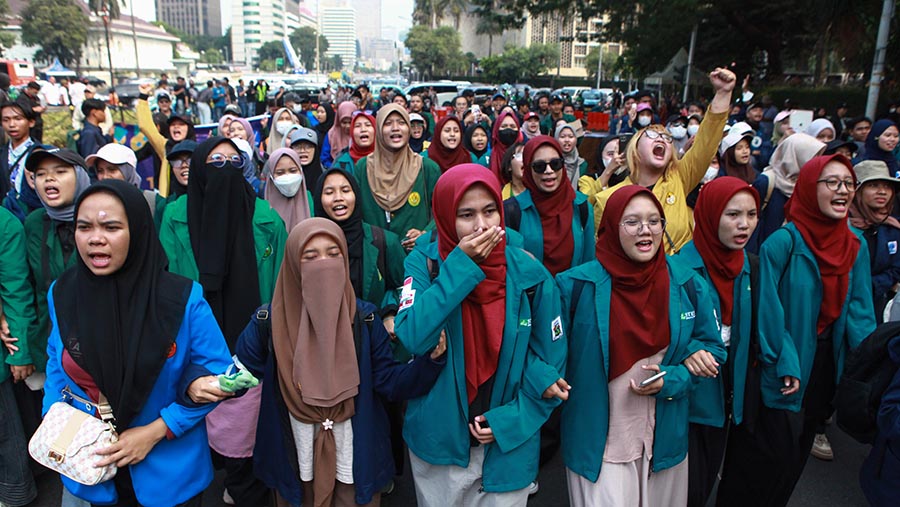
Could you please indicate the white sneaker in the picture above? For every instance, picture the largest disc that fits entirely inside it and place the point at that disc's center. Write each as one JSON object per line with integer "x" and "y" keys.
{"x": 822, "y": 448}
{"x": 226, "y": 498}
{"x": 533, "y": 488}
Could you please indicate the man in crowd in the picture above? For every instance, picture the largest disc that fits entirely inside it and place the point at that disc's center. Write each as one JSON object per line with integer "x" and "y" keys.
{"x": 29, "y": 98}
{"x": 92, "y": 137}
{"x": 17, "y": 122}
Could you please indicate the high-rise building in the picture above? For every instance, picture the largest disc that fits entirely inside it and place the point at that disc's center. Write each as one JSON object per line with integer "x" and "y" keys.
{"x": 371, "y": 29}
{"x": 255, "y": 22}
{"x": 339, "y": 27}
{"x": 196, "y": 17}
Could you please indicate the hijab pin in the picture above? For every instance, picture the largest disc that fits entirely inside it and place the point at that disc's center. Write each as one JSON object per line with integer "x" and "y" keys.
{"x": 328, "y": 424}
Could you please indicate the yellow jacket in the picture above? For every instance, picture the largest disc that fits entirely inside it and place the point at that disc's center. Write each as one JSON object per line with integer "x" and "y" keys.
{"x": 674, "y": 186}
{"x": 157, "y": 140}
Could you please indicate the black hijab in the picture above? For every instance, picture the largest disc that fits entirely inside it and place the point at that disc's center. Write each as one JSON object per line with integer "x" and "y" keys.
{"x": 220, "y": 221}
{"x": 120, "y": 328}
{"x": 467, "y": 140}
{"x": 323, "y": 127}
{"x": 352, "y": 227}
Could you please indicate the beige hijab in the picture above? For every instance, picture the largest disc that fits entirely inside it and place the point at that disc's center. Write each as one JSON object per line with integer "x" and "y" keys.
{"x": 312, "y": 334}
{"x": 787, "y": 159}
{"x": 391, "y": 174}
{"x": 276, "y": 140}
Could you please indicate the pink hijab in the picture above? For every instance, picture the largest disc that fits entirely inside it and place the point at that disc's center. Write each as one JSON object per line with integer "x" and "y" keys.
{"x": 336, "y": 136}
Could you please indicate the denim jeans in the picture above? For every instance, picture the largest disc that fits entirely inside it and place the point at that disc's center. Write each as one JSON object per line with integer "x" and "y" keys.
{"x": 16, "y": 482}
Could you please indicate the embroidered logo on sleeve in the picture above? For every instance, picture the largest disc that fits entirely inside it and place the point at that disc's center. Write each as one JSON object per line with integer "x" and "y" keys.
{"x": 407, "y": 294}
{"x": 892, "y": 247}
{"x": 556, "y": 328}
{"x": 688, "y": 315}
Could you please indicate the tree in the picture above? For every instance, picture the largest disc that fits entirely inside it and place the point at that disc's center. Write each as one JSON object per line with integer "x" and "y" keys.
{"x": 110, "y": 6}
{"x": 7, "y": 39}
{"x": 304, "y": 41}
{"x": 517, "y": 64}
{"x": 212, "y": 56}
{"x": 271, "y": 50}
{"x": 335, "y": 62}
{"x": 435, "y": 50}
{"x": 610, "y": 63}
{"x": 59, "y": 27}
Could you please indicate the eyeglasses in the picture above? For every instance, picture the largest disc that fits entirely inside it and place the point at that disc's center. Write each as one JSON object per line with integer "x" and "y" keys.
{"x": 540, "y": 166}
{"x": 219, "y": 160}
{"x": 634, "y": 227}
{"x": 652, "y": 134}
{"x": 835, "y": 184}
{"x": 179, "y": 163}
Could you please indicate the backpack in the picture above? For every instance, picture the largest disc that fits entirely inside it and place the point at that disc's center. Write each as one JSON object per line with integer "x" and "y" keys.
{"x": 868, "y": 372}
{"x": 512, "y": 213}
{"x": 379, "y": 242}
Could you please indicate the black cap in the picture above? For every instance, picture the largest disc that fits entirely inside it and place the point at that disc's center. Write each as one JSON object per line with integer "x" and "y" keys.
{"x": 556, "y": 98}
{"x": 831, "y": 148}
{"x": 233, "y": 109}
{"x": 754, "y": 105}
{"x": 34, "y": 85}
{"x": 186, "y": 146}
{"x": 179, "y": 117}
{"x": 676, "y": 117}
{"x": 66, "y": 155}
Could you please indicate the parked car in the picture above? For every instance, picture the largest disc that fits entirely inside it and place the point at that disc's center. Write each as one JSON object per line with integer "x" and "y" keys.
{"x": 445, "y": 90}
{"x": 591, "y": 99}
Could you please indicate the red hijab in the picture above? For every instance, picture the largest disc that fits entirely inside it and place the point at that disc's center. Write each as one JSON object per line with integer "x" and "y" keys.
{"x": 556, "y": 209}
{"x": 498, "y": 148}
{"x": 640, "y": 291}
{"x": 358, "y": 152}
{"x": 832, "y": 242}
{"x": 484, "y": 309}
{"x": 443, "y": 156}
{"x": 722, "y": 263}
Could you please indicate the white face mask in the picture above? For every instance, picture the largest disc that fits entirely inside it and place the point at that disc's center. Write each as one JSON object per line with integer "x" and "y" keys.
{"x": 692, "y": 130}
{"x": 643, "y": 121}
{"x": 283, "y": 126}
{"x": 711, "y": 174}
{"x": 289, "y": 184}
{"x": 606, "y": 162}
{"x": 678, "y": 132}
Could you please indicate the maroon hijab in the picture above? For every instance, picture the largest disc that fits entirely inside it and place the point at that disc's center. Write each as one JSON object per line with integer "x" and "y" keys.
{"x": 444, "y": 156}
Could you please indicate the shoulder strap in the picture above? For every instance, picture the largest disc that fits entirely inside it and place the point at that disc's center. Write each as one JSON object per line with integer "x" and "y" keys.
{"x": 434, "y": 268}
{"x": 512, "y": 212}
{"x": 753, "y": 260}
{"x": 770, "y": 178}
{"x": 577, "y": 288}
{"x": 378, "y": 240}
{"x": 150, "y": 197}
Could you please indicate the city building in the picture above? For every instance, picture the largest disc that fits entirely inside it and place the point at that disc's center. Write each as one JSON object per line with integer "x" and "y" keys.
{"x": 339, "y": 27}
{"x": 370, "y": 31}
{"x": 255, "y": 22}
{"x": 196, "y": 17}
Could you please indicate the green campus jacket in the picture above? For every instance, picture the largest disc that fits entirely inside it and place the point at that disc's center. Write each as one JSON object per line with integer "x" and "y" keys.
{"x": 708, "y": 398}
{"x": 380, "y": 288}
{"x": 47, "y": 261}
{"x": 415, "y": 214}
{"x": 532, "y": 357}
{"x": 585, "y": 416}
{"x": 344, "y": 161}
{"x": 16, "y": 294}
{"x": 269, "y": 236}
{"x": 484, "y": 160}
{"x": 533, "y": 232}
{"x": 790, "y": 295}
{"x": 548, "y": 124}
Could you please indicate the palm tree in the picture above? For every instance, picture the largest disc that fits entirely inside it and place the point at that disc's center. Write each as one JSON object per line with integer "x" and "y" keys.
{"x": 110, "y": 6}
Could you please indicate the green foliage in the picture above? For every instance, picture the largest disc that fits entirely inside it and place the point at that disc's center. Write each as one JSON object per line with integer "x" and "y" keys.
{"x": 610, "y": 63}
{"x": 517, "y": 64}
{"x": 267, "y": 66}
{"x": 6, "y": 39}
{"x": 200, "y": 43}
{"x": 212, "y": 56}
{"x": 334, "y": 62}
{"x": 59, "y": 27}
{"x": 270, "y": 51}
{"x": 304, "y": 42}
{"x": 435, "y": 52}
{"x": 111, "y": 6}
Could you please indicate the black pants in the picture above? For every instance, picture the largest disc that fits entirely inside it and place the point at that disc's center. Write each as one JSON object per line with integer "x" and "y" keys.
{"x": 16, "y": 481}
{"x": 241, "y": 483}
{"x": 127, "y": 498}
{"x": 762, "y": 468}
{"x": 706, "y": 448}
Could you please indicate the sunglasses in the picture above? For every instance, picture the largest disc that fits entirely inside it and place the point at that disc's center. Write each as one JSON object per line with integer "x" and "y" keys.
{"x": 540, "y": 166}
{"x": 219, "y": 160}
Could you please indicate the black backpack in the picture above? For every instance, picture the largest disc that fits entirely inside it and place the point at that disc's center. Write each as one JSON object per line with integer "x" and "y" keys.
{"x": 868, "y": 372}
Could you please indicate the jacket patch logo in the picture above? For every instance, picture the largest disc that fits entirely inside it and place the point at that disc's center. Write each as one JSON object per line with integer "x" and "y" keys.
{"x": 670, "y": 199}
{"x": 407, "y": 294}
{"x": 172, "y": 350}
{"x": 414, "y": 199}
{"x": 268, "y": 251}
{"x": 892, "y": 247}
{"x": 688, "y": 315}
{"x": 556, "y": 328}
{"x": 524, "y": 322}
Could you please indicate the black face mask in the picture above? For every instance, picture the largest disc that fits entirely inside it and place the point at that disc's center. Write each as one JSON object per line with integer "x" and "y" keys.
{"x": 508, "y": 136}
{"x": 754, "y": 124}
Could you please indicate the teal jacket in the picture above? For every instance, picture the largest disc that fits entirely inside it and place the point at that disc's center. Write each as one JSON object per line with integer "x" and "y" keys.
{"x": 269, "y": 237}
{"x": 532, "y": 357}
{"x": 16, "y": 294}
{"x": 708, "y": 398}
{"x": 790, "y": 295}
{"x": 380, "y": 288}
{"x": 344, "y": 162}
{"x": 585, "y": 416}
{"x": 484, "y": 159}
{"x": 583, "y": 233}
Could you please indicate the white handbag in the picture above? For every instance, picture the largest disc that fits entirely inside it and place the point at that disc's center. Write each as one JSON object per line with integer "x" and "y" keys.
{"x": 67, "y": 439}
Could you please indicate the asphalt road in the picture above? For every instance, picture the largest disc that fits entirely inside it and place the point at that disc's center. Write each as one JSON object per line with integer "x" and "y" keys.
{"x": 831, "y": 484}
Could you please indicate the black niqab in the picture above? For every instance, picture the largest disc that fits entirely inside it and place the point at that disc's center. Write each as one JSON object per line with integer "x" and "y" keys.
{"x": 220, "y": 210}
{"x": 120, "y": 327}
{"x": 352, "y": 227}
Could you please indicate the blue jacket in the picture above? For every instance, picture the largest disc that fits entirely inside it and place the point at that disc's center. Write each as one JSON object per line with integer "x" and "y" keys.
{"x": 708, "y": 398}
{"x": 275, "y": 454}
{"x": 790, "y": 294}
{"x": 885, "y": 261}
{"x": 175, "y": 470}
{"x": 533, "y": 232}
{"x": 879, "y": 475}
{"x": 585, "y": 416}
{"x": 532, "y": 357}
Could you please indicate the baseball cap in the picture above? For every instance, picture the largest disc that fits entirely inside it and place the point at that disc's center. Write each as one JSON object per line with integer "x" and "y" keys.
{"x": 529, "y": 115}
{"x": 46, "y": 151}
{"x": 732, "y": 139}
{"x": 114, "y": 153}
{"x": 498, "y": 95}
{"x": 556, "y": 98}
{"x": 182, "y": 118}
{"x": 304, "y": 134}
{"x": 163, "y": 96}
{"x": 741, "y": 127}
{"x": 782, "y": 115}
{"x": 416, "y": 117}
{"x": 186, "y": 146}
{"x": 643, "y": 106}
